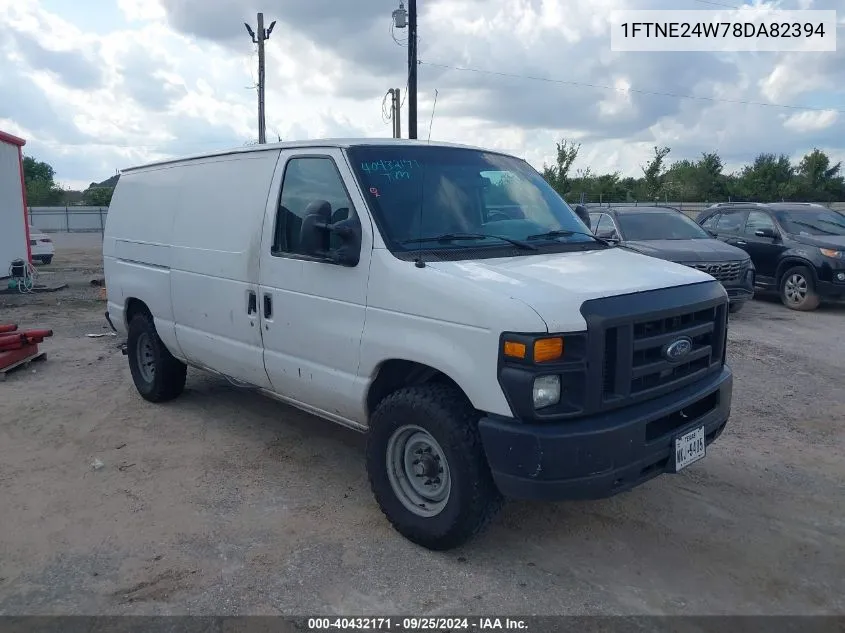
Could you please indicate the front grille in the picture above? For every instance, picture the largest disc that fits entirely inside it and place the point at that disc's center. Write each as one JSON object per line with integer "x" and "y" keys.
{"x": 633, "y": 348}
{"x": 721, "y": 271}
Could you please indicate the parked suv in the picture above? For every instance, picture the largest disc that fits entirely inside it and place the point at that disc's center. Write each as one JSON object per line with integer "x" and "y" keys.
{"x": 667, "y": 233}
{"x": 442, "y": 299}
{"x": 798, "y": 249}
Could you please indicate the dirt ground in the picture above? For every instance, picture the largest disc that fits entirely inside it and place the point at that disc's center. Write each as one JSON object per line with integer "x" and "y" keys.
{"x": 225, "y": 502}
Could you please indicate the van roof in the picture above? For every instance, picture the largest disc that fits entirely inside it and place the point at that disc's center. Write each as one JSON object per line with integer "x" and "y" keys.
{"x": 324, "y": 143}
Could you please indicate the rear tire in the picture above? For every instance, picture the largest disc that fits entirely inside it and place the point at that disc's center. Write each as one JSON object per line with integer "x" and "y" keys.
{"x": 797, "y": 289}
{"x": 427, "y": 466}
{"x": 157, "y": 375}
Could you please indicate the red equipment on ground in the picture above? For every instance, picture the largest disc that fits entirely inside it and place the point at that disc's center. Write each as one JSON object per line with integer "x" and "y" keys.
{"x": 17, "y": 348}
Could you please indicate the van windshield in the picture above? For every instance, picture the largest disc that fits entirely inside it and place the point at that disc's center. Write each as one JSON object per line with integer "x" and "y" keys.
{"x": 467, "y": 198}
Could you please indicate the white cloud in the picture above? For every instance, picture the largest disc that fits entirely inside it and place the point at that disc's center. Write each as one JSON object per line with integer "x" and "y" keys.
{"x": 142, "y": 10}
{"x": 811, "y": 121}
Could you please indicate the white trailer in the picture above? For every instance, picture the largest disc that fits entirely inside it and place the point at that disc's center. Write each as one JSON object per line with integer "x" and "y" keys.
{"x": 14, "y": 227}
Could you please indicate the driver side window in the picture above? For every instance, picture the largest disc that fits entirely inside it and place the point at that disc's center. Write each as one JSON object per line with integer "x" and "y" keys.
{"x": 307, "y": 183}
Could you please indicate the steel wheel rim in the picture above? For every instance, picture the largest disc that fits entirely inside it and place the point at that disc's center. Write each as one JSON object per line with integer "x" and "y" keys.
{"x": 145, "y": 356}
{"x": 418, "y": 471}
{"x": 796, "y": 288}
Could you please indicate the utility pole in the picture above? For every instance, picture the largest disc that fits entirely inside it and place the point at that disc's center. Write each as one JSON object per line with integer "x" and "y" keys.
{"x": 412, "y": 69}
{"x": 401, "y": 20}
{"x": 396, "y": 111}
{"x": 263, "y": 34}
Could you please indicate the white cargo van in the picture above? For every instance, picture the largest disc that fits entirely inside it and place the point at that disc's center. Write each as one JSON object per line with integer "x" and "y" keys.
{"x": 441, "y": 298}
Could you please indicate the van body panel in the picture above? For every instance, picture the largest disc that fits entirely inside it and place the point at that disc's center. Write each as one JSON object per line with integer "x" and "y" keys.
{"x": 216, "y": 233}
{"x": 136, "y": 249}
{"x": 424, "y": 325}
{"x": 312, "y": 339}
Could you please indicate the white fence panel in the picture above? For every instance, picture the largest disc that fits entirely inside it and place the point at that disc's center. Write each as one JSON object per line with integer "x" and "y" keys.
{"x": 68, "y": 219}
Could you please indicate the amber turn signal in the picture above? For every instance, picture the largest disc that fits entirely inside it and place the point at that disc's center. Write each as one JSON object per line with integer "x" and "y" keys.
{"x": 547, "y": 349}
{"x": 514, "y": 349}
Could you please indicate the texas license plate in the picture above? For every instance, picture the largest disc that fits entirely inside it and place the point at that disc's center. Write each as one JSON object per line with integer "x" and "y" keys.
{"x": 689, "y": 448}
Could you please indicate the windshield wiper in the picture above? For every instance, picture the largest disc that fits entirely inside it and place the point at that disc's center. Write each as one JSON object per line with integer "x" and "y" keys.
{"x": 560, "y": 233}
{"x": 462, "y": 237}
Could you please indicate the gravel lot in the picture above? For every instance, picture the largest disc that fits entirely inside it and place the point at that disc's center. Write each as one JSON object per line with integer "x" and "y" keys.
{"x": 224, "y": 502}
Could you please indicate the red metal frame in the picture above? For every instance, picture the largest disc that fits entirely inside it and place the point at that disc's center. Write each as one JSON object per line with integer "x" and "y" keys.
{"x": 14, "y": 140}
{"x": 10, "y": 138}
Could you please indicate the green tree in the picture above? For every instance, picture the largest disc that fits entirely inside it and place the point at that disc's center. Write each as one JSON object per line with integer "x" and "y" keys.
{"x": 98, "y": 196}
{"x": 769, "y": 178}
{"x": 557, "y": 175}
{"x": 39, "y": 181}
{"x": 653, "y": 173}
{"x": 818, "y": 180}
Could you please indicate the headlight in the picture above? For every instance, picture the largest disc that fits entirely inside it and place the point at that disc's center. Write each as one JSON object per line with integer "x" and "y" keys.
{"x": 546, "y": 391}
{"x": 829, "y": 252}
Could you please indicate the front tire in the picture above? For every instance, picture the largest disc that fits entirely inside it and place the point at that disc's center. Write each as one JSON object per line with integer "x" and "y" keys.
{"x": 157, "y": 375}
{"x": 797, "y": 289}
{"x": 736, "y": 306}
{"x": 427, "y": 467}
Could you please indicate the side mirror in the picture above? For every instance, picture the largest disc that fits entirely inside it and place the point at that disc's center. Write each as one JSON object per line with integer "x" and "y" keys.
{"x": 583, "y": 214}
{"x": 349, "y": 251}
{"x": 608, "y": 235}
{"x": 766, "y": 233}
{"x": 317, "y": 229}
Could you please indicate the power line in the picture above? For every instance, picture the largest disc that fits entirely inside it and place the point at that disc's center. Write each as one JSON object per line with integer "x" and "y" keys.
{"x": 634, "y": 90}
{"x": 718, "y": 4}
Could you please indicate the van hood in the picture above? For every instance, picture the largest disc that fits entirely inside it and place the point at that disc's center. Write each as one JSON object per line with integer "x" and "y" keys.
{"x": 688, "y": 251}
{"x": 553, "y": 282}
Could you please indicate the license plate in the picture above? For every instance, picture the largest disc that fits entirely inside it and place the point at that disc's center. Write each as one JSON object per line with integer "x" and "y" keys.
{"x": 689, "y": 448}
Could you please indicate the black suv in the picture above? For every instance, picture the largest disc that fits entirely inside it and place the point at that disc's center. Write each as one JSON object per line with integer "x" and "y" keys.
{"x": 797, "y": 248}
{"x": 666, "y": 233}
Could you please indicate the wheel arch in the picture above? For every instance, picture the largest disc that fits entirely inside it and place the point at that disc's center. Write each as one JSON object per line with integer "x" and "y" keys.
{"x": 790, "y": 261}
{"x": 396, "y": 373}
{"x": 133, "y": 307}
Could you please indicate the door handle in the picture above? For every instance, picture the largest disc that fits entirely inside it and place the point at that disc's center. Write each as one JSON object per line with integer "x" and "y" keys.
{"x": 251, "y": 303}
{"x": 268, "y": 306}
{"x": 741, "y": 243}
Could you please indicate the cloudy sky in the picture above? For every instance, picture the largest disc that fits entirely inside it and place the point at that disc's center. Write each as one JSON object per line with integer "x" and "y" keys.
{"x": 98, "y": 85}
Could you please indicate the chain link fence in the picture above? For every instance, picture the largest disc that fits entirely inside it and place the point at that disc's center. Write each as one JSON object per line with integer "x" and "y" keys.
{"x": 68, "y": 219}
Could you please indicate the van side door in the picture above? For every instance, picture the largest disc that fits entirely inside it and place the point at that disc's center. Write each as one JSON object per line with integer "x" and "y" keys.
{"x": 312, "y": 306}
{"x": 219, "y": 205}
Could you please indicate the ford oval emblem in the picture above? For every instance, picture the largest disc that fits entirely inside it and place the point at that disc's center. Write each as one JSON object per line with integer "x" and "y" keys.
{"x": 678, "y": 349}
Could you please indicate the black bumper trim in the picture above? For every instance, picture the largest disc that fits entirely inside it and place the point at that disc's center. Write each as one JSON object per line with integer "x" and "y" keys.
{"x": 830, "y": 289}
{"x": 736, "y": 294}
{"x": 601, "y": 455}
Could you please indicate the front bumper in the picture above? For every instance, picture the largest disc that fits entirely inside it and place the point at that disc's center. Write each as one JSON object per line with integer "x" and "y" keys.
{"x": 604, "y": 454}
{"x": 741, "y": 290}
{"x": 828, "y": 285}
